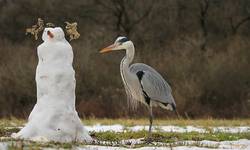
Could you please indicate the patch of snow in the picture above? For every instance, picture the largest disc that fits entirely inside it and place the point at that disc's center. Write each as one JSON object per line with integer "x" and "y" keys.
{"x": 181, "y": 129}
{"x": 104, "y": 128}
{"x": 232, "y": 129}
{"x": 169, "y": 128}
{"x": 94, "y": 147}
{"x": 40, "y": 139}
{"x": 242, "y": 144}
{"x": 3, "y": 146}
{"x": 132, "y": 142}
{"x": 239, "y": 144}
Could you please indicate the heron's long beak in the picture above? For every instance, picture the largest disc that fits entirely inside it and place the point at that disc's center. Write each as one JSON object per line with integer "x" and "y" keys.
{"x": 50, "y": 34}
{"x": 108, "y": 49}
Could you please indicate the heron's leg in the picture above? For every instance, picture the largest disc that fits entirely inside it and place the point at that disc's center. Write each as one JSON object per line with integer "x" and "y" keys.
{"x": 150, "y": 121}
{"x": 149, "y": 138}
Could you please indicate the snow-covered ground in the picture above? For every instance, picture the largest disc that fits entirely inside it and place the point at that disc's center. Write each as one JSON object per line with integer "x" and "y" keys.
{"x": 169, "y": 128}
{"x": 242, "y": 144}
{"x": 3, "y": 146}
{"x": 206, "y": 145}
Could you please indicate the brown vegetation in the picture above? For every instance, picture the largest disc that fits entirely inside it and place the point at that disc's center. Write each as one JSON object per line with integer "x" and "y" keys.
{"x": 200, "y": 46}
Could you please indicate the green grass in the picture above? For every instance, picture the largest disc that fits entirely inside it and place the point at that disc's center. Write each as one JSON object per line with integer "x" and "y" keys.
{"x": 167, "y": 137}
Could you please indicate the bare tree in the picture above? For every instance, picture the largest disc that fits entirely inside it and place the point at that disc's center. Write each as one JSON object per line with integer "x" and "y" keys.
{"x": 204, "y": 6}
{"x": 126, "y": 14}
{"x": 235, "y": 26}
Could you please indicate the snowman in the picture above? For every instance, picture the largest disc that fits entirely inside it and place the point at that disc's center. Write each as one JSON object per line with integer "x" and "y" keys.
{"x": 54, "y": 117}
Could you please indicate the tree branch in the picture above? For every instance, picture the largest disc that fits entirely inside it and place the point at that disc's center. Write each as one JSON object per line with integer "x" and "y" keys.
{"x": 239, "y": 24}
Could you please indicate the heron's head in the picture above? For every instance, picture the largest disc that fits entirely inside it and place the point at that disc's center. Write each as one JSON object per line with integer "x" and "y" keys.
{"x": 121, "y": 43}
{"x": 53, "y": 34}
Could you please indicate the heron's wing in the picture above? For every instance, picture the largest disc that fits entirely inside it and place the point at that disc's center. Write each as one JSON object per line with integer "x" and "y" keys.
{"x": 153, "y": 83}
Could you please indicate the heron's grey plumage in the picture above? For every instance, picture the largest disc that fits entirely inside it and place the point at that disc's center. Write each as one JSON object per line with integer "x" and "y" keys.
{"x": 153, "y": 84}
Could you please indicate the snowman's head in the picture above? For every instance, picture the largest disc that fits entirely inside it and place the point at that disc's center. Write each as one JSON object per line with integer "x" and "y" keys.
{"x": 53, "y": 34}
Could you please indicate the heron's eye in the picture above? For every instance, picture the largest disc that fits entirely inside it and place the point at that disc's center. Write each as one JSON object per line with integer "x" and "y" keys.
{"x": 122, "y": 40}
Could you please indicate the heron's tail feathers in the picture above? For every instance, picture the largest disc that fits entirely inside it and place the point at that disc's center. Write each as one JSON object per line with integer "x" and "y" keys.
{"x": 171, "y": 107}
{"x": 168, "y": 106}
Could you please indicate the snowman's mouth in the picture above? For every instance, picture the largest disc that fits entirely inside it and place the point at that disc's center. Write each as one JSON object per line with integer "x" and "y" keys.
{"x": 51, "y": 35}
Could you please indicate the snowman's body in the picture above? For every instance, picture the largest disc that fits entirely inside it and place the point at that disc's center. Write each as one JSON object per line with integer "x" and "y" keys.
{"x": 54, "y": 116}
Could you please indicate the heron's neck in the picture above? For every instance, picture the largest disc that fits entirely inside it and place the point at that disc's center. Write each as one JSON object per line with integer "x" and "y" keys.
{"x": 124, "y": 67}
{"x": 130, "y": 52}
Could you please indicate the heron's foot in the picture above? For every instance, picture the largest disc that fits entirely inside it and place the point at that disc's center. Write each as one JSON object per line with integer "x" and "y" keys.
{"x": 149, "y": 140}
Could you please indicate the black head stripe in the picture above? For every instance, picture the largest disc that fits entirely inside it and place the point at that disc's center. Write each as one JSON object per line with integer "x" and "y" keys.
{"x": 123, "y": 40}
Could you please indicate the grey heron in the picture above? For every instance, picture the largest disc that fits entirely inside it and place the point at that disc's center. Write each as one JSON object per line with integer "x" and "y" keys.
{"x": 142, "y": 83}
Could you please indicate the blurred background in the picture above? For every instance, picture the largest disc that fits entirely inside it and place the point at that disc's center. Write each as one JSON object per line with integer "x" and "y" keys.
{"x": 201, "y": 47}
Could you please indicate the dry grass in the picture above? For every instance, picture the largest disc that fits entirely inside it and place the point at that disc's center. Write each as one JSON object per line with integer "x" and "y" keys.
{"x": 14, "y": 122}
{"x": 11, "y": 122}
{"x": 179, "y": 122}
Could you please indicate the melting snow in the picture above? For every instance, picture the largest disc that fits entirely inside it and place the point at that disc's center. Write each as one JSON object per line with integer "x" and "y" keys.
{"x": 3, "y": 146}
{"x": 169, "y": 128}
{"x": 236, "y": 145}
{"x": 242, "y": 144}
{"x": 103, "y": 128}
{"x": 205, "y": 145}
